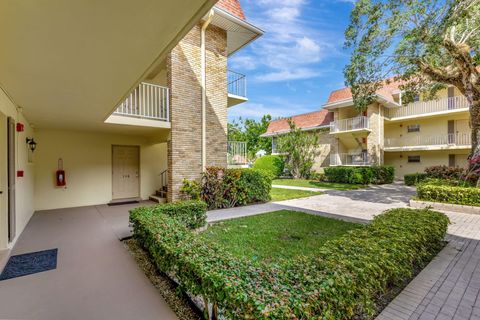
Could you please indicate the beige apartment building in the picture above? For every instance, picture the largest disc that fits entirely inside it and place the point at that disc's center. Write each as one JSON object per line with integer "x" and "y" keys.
{"x": 121, "y": 108}
{"x": 409, "y": 136}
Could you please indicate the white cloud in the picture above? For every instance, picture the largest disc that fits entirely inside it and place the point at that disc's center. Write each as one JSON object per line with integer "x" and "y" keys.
{"x": 284, "y": 75}
{"x": 290, "y": 47}
{"x": 276, "y": 108}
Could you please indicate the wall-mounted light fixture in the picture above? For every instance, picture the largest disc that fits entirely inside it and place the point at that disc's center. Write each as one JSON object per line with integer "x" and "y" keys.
{"x": 32, "y": 145}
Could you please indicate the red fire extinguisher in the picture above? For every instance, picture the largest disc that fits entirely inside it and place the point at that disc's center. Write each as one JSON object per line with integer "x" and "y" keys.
{"x": 60, "y": 175}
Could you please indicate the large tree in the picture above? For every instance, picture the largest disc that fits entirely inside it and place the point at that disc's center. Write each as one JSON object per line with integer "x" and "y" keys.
{"x": 424, "y": 44}
{"x": 249, "y": 131}
{"x": 300, "y": 149}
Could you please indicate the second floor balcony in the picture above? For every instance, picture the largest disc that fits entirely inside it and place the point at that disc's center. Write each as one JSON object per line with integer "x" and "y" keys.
{"x": 435, "y": 142}
{"x": 428, "y": 108}
{"x": 148, "y": 105}
{"x": 350, "y": 125}
{"x": 236, "y": 87}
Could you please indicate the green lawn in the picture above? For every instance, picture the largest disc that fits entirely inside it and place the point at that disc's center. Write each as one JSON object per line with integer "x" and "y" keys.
{"x": 279, "y": 194}
{"x": 316, "y": 184}
{"x": 276, "y": 235}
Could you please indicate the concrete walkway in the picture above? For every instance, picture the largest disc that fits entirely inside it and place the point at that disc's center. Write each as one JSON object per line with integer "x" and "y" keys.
{"x": 96, "y": 277}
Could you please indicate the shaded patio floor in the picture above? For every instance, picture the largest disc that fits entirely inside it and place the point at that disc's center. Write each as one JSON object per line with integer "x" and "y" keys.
{"x": 96, "y": 278}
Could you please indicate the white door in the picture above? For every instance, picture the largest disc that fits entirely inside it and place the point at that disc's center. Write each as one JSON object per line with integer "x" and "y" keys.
{"x": 125, "y": 172}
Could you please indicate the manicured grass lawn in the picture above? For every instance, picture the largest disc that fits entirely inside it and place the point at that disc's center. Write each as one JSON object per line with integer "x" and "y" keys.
{"x": 279, "y": 194}
{"x": 316, "y": 184}
{"x": 276, "y": 235}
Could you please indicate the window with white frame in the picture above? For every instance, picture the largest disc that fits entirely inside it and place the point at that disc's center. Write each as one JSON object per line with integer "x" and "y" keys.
{"x": 413, "y": 128}
{"x": 413, "y": 159}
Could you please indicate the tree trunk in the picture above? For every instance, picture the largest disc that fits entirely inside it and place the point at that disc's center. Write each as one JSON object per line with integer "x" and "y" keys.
{"x": 475, "y": 125}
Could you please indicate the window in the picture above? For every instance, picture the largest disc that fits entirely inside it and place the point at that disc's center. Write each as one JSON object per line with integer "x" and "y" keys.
{"x": 274, "y": 145}
{"x": 413, "y": 159}
{"x": 416, "y": 98}
{"x": 413, "y": 128}
{"x": 451, "y": 160}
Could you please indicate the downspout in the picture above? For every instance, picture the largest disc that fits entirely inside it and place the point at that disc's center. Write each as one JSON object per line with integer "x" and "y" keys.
{"x": 203, "y": 84}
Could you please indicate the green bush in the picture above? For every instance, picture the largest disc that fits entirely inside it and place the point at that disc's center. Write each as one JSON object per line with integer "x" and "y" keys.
{"x": 344, "y": 280}
{"x": 414, "y": 178}
{"x": 192, "y": 214}
{"x": 270, "y": 163}
{"x": 437, "y": 191}
{"x": 226, "y": 188}
{"x": 360, "y": 175}
{"x": 190, "y": 190}
{"x": 445, "y": 172}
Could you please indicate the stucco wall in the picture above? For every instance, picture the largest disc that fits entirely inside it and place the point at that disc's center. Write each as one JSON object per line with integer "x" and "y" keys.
{"x": 427, "y": 158}
{"x": 87, "y": 161}
{"x": 24, "y": 185}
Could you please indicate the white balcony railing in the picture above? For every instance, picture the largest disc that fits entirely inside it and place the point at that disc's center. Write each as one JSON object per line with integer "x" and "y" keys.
{"x": 426, "y": 107}
{"x": 237, "y": 153}
{"x": 357, "y": 123}
{"x": 236, "y": 84}
{"x": 346, "y": 159}
{"x": 451, "y": 139}
{"x": 147, "y": 101}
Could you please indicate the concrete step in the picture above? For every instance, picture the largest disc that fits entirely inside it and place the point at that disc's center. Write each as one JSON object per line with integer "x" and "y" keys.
{"x": 158, "y": 199}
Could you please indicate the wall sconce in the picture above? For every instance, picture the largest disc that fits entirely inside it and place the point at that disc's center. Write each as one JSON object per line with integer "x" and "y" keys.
{"x": 32, "y": 145}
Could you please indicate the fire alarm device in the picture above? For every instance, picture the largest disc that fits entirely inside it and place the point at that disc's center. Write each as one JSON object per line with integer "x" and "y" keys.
{"x": 19, "y": 173}
{"x": 60, "y": 174}
{"x": 20, "y": 127}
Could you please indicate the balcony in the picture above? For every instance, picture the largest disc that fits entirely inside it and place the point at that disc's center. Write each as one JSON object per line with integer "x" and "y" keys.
{"x": 148, "y": 105}
{"x": 357, "y": 124}
{"x": 437, "y": 142}
{"x": 237, "y": 88}
{"x": 347, "y": 159}
{"x": 428, "y": 108}
{"x": 237, "y": 153}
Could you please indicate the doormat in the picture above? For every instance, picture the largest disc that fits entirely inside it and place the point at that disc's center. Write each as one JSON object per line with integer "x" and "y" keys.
{"x": 30, "y": 263}
{"x": 122, "y": 202}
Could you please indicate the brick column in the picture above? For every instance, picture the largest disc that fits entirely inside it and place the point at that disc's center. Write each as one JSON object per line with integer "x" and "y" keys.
{"x": 183, "y": 76}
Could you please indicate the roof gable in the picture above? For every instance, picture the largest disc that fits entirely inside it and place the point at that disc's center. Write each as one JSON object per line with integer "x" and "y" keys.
{"x": 233, "y": 7}
{"x": 303, "y": 121}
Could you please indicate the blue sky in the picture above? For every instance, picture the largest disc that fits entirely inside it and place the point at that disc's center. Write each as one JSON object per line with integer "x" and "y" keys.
{"x": 299, "y": 60}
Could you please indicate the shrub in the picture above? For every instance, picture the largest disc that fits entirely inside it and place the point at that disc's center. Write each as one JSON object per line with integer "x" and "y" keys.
{"x": 270, "y": 163}
{"x": 344, "y": 280}
{"x": 414, "y": 178}
{"x": 226, "y": 188}
{"x": 192, "y": 214}
{"x": 445, "y": 172}
{"x": 360, "y": 175}
{"x": 437, "y": 191}
{"x": 190, "y": 190}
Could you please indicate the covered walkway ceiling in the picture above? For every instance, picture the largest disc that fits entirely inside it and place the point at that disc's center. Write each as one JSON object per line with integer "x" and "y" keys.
{"x": 69, "y": 63}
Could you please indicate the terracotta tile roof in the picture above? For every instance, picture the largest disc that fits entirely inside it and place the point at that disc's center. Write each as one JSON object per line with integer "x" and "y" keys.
{"x": 233, "y": 7}
{"x": 304, "y": 121}
{"x": 389, "y": 87}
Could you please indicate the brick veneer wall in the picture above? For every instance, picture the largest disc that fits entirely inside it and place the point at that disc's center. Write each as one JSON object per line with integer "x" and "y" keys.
{"x": 375, "y": 140}
{"x": 183, "y": 77}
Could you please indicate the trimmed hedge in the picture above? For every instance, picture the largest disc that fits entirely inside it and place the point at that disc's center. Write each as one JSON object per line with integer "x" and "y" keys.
{"x": 344, "y": 280}
{"x": 445, "y": 172}
{"x": 192, "y": 214}
{"x": 432, "y": 191}
{"x": 270, "y": 163}
{"x": 226, "y": 188}
{"x": 360, "y": 175}
{"x": 414, "y": 178}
